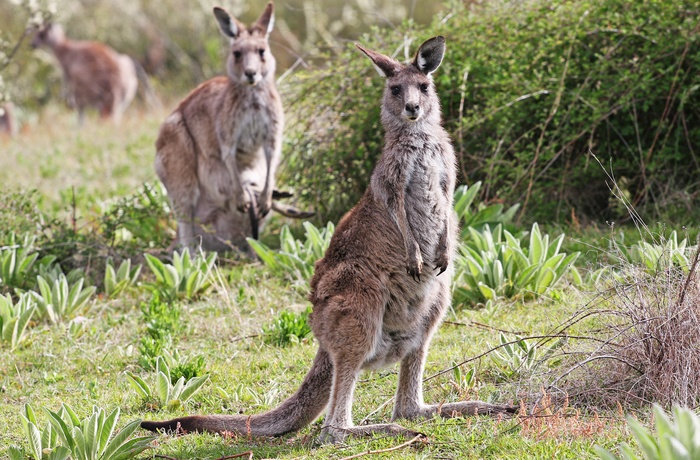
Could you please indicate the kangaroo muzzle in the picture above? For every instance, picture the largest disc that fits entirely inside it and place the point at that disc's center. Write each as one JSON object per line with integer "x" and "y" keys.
{"x": 412, "y": 111}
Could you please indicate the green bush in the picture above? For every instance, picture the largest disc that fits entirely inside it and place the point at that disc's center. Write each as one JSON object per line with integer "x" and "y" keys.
{"x": 528, "y": 89}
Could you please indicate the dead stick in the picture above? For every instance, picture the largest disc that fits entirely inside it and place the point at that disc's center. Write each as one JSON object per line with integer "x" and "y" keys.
{"x": 390, "y": 449}
{"x": 249, "y": 453}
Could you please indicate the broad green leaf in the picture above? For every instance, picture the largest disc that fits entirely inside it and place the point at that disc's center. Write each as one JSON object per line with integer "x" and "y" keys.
{"x": 107, "y": 429}
{"x": 34, "y": 437}
{"x": 646, "y": 442}
{"x": 62, "y": 429}
{"x": 59, "y": 453}
{"x": 192, "y": 386}
{"x": 163, "y": 387}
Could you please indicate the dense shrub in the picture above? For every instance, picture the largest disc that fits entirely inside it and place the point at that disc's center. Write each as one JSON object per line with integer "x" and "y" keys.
{"x": 528, "y": 89}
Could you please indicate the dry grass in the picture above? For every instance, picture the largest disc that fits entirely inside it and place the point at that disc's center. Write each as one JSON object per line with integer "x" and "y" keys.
{"x": 548, "y": 419}
{"x": 645, "y": 331}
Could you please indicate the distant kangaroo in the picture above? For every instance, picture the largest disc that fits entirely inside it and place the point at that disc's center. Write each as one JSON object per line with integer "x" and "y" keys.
{"x": 383, "y": 286}
{"x": 94, "y": 75}
{"x": 8, "y": 124}
{"x": 218, "y": 152}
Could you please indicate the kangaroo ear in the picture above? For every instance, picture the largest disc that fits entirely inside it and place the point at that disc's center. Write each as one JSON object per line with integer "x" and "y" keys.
{"x": 266, "y": 21}
{"x": 430, "y": 54}
{"x": 227, "y": 23}
{"x": 386, "y": 66}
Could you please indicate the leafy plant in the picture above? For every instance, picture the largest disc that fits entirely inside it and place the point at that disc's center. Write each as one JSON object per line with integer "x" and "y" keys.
{"x": 513, "y": 357}
{"x": 183, "y": 366}
{"x": 118, "y": 281}
{"x": 43, "y": 444}
{"x": 92, "y": 438}
{"x": 162, "y": 319}
{"x": 674, "y": 440}
{"x": 14, "y": 318}
{"x": 481, "y": 215}
{"x": 295, "y": 259}
{"x": 61, "y": 299}
{"x": 50, "y": 270}
{"x": 656, "y": 257}
{"x": 165, "y": 392}
{"x": 16, "y": 262}
{"x": 288, "y": 328}
{"x": 493, "y": 264}
{"x": 186, "y": 278}
{"x": 463, "y": 382}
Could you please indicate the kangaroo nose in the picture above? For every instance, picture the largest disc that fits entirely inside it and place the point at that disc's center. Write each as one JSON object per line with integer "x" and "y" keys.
{"x": 250, "y": 74}
{"x": 410, "y": 107}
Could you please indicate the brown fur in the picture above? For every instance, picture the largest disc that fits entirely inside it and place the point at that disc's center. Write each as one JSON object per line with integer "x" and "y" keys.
{"x": 217, "y": 153}
{"x": 383, "y": 286}
{"x": 94, "y": 75}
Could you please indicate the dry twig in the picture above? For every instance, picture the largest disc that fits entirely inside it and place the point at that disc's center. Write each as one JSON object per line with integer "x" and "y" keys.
{"x": 418, "y": 437}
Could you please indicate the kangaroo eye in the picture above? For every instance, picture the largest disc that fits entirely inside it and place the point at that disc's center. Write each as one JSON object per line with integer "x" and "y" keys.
{"x": 262, "y": 52}
{"x": 424, "y": 87}
{"x": 237, "y": 54}
{"x": 396, "y": 90}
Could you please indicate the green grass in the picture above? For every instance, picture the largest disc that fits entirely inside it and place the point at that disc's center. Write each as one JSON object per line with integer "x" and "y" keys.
{"x": 225, "y": 327}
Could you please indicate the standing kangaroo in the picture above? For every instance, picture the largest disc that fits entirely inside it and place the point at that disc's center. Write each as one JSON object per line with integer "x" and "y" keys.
{"x": 383, "y": 286}
{"x": 94, "y": 75}
{"x": 217, "y": 153}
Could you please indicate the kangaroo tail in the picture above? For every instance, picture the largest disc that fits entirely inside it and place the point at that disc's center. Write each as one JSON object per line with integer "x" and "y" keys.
{"x": 293, "y": 414}
{"x": 253, "y": 215}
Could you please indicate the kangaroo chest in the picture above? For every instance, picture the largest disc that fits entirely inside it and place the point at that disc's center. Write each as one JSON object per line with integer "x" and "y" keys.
{"x": 427, "y": 200}
{"x": 249, "y": 129}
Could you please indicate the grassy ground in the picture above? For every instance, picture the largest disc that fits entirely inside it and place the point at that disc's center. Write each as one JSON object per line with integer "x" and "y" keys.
{"x": 104, "y": 162}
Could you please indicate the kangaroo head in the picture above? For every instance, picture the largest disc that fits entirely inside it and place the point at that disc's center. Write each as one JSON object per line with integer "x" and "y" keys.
{"x": 250, "y": 60}
{"x": 410, "y": 95}
{"x": 49, "y": 35}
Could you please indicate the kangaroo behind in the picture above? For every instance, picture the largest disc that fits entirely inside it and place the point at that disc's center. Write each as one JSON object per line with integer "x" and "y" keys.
{"x": 217, "y": 153}
{"x": 383, "y": 286}
{"x": 94, "y": 75}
